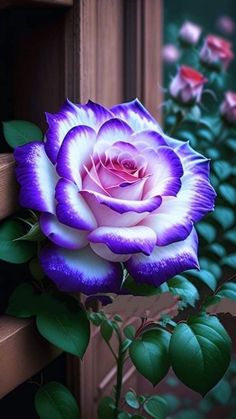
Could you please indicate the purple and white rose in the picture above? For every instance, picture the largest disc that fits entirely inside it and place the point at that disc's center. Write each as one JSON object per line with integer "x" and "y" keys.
{"x": 187, "y": 85}
{"x": 113, "y": 191}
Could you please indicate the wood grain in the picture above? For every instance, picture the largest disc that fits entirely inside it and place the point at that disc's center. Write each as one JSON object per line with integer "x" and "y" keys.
{"x": 23, "y": 352}
{"x": 8, "y": 186}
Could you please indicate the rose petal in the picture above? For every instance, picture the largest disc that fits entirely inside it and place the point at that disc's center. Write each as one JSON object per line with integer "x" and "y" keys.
{"x": 72, "y": 209}
{"x": 81, "y": 270}
{"x": 71, "y": 115}
{"x": 104, "y": 252}
{"x": 61, "y": 234}
{"x": 75, "y": 153}
{"x": 147, "y": 138}
{"x": 164, "y": 262}
{"x": 168, "y": 228}
{"x": 125, "y": 240}
{"x": 107, "y": 217}
{"x": 135, "y": 114}
{"x": 122, "y": 205}
{"x": 114, "y": 130}
{"x": 166, "y": 169}
{"x": 196, "y": 196}
{"x": 37, "y": 177}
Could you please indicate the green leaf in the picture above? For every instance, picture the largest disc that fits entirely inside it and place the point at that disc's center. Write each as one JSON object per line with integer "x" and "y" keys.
{"x": 211, "y": 266}
{"x": 132, "y": 400}
{"x": 221, "y": 393}
{"x": 229, "y": 260}
{"x": 224, "y": 216}
{"x": 10, "y": 250}
{"x": 34, "y": 234}
{"x": 64, "y": 325}
{"x": 23, "y": 302}
{"x": 187, "y": 135}
{"x": 228, "y": 290}
{"x": 194, "y": 114}
{"x": 118, "y": 318}
{"x": 149, "y": 355}
{"x": 179, "y": 285}
{"x": 231, "y": 236}
{"x": 207, "y": 231}
{"x": 222, "y": 169}
{"x": 213, "y": 153}
{"x": 189, "y": 413}
{"x": 55, "y": 401}
{"x": 200, "y": 352}
{"x": 228, "y": 192}
{"x": 217, "y": 249}
{"x": 125, "y": 345}
{"x": 211, "y": 300}
{"x": 205, "y": 276}
{"x": 231, "y": 143}
{"x": 96, "y": 318}
{"x": 107, "y": 409}
{"x": 129, "y": 331}
{"x": 140, "y": 289}
{"x": 106, "y": 330}
{"x": 156, "y": 407}
{"x": 172, "y": 402}
{"x": 205, "y": 134}
{"x": 123, "y": 415}
{"x": 18, "y": 133}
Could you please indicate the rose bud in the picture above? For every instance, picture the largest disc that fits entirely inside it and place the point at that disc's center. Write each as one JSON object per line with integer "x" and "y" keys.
{"x": 170, "y": 53}
{"x": 226, "y": 25}
{"x": 190, "y": 33}
{"x": 216, "y": 52}
{"x": 228, "y": 107}
{"x": 187, "y": 85}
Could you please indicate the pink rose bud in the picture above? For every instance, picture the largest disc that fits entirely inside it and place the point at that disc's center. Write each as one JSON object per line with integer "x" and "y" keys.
{"x": 216, "y": 52}
{"x": 226, "y": 25}
{"x": 190, "y": 33}
{"x": 228, "y": 107}
{"x": 187, "y": 85}
{"x": 170, "y": 53}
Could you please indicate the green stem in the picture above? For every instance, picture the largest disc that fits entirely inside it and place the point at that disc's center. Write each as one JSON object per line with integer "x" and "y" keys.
{"x": 119, "y": 374}
{"x": 111, "y": 349}
{"x": 179, "y": 119}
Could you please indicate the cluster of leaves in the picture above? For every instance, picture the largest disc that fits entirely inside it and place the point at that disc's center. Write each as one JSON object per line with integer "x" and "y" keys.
{"x": 198, "y": 350}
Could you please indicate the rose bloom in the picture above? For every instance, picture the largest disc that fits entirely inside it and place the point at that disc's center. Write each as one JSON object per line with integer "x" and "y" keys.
{"x": 226, "y": 25}
{"x": 112, "y": 189}
{"x": 190, "y": 33}
{"x": 170, "y": 53}
{"x": 216, "y": 52}
{"x": 187, "y": 85}
{"x": 228, "y": 107}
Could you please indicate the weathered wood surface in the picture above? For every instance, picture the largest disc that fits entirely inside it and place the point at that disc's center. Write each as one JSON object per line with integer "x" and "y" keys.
{"x": 23, "y": 352}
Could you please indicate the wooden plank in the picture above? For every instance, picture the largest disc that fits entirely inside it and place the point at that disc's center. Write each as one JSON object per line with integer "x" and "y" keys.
{"x": 8, "y": 186}
{"x": 23, "y": 352}
{"x": 5, "y": 4}
{"x": 143, "y": 64}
